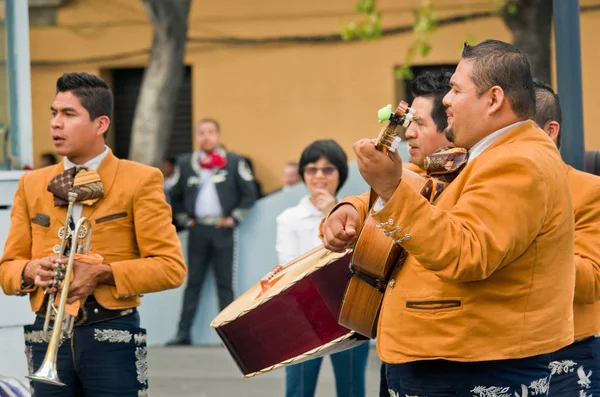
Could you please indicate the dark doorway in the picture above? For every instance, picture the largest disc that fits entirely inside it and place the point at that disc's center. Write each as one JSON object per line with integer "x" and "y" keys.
{"x": 126, "y": 83}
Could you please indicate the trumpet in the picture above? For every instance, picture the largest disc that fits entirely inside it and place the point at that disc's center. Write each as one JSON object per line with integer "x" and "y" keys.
{"x": 62, "y": 328}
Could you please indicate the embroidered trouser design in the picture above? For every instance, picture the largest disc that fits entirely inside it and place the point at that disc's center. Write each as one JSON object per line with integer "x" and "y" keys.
{"x": 575, "y": 370}
{"x": 439, "y": 378}
{"x": 103, "y": 359}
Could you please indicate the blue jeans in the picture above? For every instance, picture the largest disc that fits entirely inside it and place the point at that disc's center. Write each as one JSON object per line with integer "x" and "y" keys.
{"x": 349, "y": 366}
{"x": 441, "y": 378}
{"x": 575, "y": 369}
{"x": 102, "y": 359}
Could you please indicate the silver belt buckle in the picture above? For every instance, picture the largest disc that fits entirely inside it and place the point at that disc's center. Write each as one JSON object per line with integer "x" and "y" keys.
{"x": 209, "y": 220}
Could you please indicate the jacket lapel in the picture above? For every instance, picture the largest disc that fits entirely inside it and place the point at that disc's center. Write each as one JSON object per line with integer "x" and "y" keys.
{"x": 59, "y": 212}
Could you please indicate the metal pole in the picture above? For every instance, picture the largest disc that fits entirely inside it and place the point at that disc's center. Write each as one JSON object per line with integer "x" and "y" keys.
{"x": 19, "y": 77}
{"x": 568, "y": 73}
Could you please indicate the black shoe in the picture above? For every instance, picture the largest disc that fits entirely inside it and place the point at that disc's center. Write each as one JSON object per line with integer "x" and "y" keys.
{"x": 179, "y": 341}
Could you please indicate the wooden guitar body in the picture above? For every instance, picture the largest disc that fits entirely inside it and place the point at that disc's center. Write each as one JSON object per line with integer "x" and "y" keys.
{"x": 375, "y": 256}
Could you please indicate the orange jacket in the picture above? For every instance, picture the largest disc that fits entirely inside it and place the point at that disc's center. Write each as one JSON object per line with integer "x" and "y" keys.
{"x": 585, "y": 191}
{"x": 414, "y": 168}
{"x": 132, "y": 229}
{"x": 490, "y": 271}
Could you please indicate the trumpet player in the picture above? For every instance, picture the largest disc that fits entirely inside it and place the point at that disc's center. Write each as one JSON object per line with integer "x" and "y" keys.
{"x": 134, "y": 250}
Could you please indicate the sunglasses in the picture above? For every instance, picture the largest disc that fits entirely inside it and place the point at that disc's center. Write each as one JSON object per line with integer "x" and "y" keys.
{"x": 327, "y": 171}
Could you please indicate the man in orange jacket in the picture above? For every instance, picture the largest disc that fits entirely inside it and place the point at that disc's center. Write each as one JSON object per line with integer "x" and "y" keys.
{"x": 426, "y": 134}
{"x": 136, "y": 246}
{"x": 486, "y": 290}
{"x": 575, "y": 369}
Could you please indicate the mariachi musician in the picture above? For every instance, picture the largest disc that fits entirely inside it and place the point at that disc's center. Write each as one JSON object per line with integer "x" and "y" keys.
{"x": 135, "y": 247}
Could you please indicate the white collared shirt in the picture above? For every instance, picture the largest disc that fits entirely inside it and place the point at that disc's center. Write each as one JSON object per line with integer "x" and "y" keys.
{"x": 207, "y": 200}
{"x": 92, "y": 164}
{"x": 487, "y": 141}
{"x": 298, "y": 231}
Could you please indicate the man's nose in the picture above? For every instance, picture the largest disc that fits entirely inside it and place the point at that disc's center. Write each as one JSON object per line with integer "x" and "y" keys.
{"x": 411, "y": 132}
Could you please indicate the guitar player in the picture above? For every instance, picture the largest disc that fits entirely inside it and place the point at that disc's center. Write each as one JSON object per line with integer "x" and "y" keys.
{"x": 426, "y": 134}
{"x": 486, "y": 291}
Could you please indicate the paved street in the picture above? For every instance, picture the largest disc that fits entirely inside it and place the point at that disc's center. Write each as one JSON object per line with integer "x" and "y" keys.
{"x": 210, "y": 372}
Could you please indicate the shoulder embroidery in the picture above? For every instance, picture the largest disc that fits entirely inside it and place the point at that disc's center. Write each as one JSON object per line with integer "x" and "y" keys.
{"x": 245, "y": 171}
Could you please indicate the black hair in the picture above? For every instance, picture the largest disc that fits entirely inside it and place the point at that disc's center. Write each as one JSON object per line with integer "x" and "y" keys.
{"x": 496, "y": 63}
{"x": 435, "y": 85}
{"x": 329, "y": 149}
{"x": 547, "y": 107}
{"x": 92, "y": 92}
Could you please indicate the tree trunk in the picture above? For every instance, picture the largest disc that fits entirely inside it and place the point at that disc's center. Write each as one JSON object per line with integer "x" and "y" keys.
{"x": 531, "y": 26}
{"x": 162, "y": 78}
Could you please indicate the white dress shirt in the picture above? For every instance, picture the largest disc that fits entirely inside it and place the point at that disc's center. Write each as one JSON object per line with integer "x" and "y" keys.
{"x": 487, "y": 141}
{"x": 207, "y": 200}
{"x": 92, "y": 164}
{"x": 298, "y": 231}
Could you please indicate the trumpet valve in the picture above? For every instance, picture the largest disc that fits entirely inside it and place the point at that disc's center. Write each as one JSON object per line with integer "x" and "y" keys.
{"x": 64, "y": 232}
{"x": 83, "y": 231}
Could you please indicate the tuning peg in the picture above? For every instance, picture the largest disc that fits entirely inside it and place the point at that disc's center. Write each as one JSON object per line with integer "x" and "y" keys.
{"x": 395, "y": 143}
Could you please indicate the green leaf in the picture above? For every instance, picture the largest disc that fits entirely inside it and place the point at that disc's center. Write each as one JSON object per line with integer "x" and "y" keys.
{"x": 512, "y": 9}
{"x": 404, "y": 73}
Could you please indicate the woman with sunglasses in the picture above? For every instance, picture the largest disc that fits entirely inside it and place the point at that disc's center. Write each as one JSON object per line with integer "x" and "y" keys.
{"x": 323, "y": 167}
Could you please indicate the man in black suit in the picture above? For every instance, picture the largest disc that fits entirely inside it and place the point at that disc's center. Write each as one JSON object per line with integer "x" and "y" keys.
{"x": 216, "y": 189}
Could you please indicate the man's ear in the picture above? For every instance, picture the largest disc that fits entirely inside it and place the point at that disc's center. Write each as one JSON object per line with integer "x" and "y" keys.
{"x": 102, "y": 124}
{"x": 496, "y": 99}
{"x": 552, "y": 128}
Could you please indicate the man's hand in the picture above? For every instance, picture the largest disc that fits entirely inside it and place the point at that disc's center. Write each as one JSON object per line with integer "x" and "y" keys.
{"x": 86, "y": 278}
{"x": 325, "y": 201}
{"x": 339, "y": 231}
{"x": 381, "y": 171}
{"x": 40, "y": 272}
{"x": 227, "y": 222}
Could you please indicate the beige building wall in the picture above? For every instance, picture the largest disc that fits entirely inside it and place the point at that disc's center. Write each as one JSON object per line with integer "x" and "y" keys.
{"x": 271, "y": 100}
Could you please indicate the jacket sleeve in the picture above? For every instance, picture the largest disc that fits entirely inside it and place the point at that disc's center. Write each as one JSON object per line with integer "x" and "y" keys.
{"x": 176, "y": 194}
{"x": 361, "y": 203}
{"x": 160, "y": 266}
{"x": 479, "y": 234}
{"x": 587, "y": 245}
{"x": 17, "y": 249}
{"x": 247, "y": 189}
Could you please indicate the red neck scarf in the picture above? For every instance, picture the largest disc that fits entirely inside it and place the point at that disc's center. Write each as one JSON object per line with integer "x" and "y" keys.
{"x": 212, "y": 160}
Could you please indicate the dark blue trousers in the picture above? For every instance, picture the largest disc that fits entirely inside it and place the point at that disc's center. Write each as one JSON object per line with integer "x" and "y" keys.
{"x": 575, "y": 370}
{"x": 349, "y": 366}
{"x": 440, "y": 378}
{"x": 103, "y": 359}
